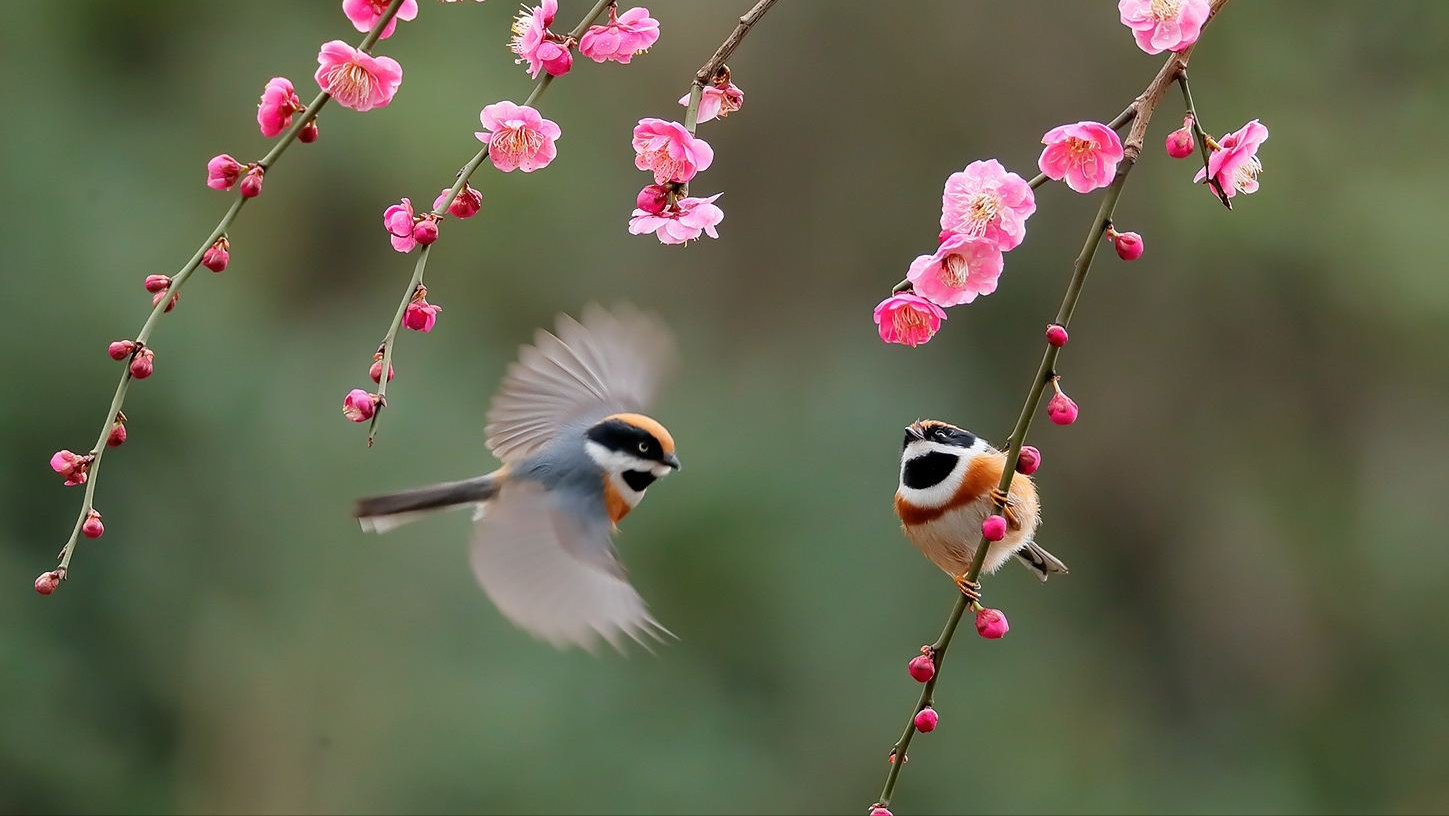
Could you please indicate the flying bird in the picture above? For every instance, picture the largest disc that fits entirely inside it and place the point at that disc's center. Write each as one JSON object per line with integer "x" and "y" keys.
{"x": 577, "y": 455}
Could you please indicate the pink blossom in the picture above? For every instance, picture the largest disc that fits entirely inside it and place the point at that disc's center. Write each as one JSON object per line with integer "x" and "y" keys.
{"x": 926, "y": 720}
{"x": 921, "y": 668}
{"x": 421, "y": 315}
{"x": 1085, "y": 154}
{"x": 535, "y": 44}
{"x": 93, "y": 528}
{"x": 222, "y": 172}
{"x": 1056, "y": 336}
{"x": 1062, "y": 409}
{"x": 519, "y": 138}
{"x": 717, "y": 102}
{"x": 251, "y": 183}
{"x": 466, "y": 205}
{"x": 279, "y": 102}
{"x": 993, "y": 527}
{"x": 1028, "y": 460}
{"x": 1164, "y": 25}
{"x": 309, "y": 133}
{"x": 72, "y": 466}
{"x": 375, "y": 372}
{"x": 991, "y": 624}
{"x": 908, "y": 319}
{"x": 986, "y": 200}
{"x": 117, "y": 437}
{"x": 1180, "y": 142}
{"x": 1128, "y": 244}
{"x": 157, "y": 283}
{"x": 670, "y": 151}
{"x": 652, "y": 199}
{"x": 144, "y": 363}
{"x": 681, "y": 223}
{"x": 625, "y": 36}
{"x": 48, "y": 581}
{"x": 359, "y": 406}
{"x": 356, "y": 79}
{"x": 218, "y": 255}
{"x": 364, "y": 14}
{"x": 398, "y": 221}
{"x": 426, "y": 231}
{"x": 121, "y": 349}
{"x": 1235, "y": 167}
{"x": 962, "y": 268}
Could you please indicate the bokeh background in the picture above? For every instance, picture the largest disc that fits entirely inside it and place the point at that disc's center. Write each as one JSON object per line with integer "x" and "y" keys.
{"x": 1252, "y": 503}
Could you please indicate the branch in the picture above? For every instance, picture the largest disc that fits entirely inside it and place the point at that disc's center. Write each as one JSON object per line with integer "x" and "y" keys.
{"x": 1140, "y": 114}
{"x": 1205, "y": 142}
{"x": 389, "y": 340}
{"x": 167, "y": 299}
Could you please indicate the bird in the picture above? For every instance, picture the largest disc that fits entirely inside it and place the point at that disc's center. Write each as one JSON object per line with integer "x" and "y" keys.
{"x": 948, "y": 487}
{"x": 577, "y": 456}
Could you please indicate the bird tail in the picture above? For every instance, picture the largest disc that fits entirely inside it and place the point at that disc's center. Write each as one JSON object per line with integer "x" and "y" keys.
{"x": 379, "y": 514}
{"x": 1042, "y": 563}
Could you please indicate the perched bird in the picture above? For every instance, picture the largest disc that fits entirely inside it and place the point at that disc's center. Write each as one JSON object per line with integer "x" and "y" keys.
{"x": 577, "y": 457}
{"x": 949, "y": 485}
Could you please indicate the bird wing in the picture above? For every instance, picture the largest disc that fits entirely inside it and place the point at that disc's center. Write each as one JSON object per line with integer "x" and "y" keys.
{"x": 551, "y": 568}
{"x": 604, "y": 364}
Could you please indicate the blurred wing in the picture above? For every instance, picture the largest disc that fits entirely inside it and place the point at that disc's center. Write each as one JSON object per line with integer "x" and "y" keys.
{"x": 554, "y": 572}
{"x": 605, "y": 364}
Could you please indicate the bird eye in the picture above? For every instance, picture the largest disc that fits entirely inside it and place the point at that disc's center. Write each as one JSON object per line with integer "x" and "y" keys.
{"x": 643, "y": 447}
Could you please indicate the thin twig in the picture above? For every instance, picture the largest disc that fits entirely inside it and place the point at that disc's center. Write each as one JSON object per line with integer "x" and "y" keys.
{"x": 1204, "y": 141}
{"x": 1140, "y": 114}
{"x": 179, "y": 280}
{"x": 389, "y": 339}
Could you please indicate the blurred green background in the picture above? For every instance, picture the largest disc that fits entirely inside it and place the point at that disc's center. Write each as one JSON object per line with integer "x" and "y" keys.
{"x": 1251, "y": 503}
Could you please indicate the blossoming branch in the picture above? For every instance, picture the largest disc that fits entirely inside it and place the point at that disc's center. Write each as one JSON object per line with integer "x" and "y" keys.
{"x": 514, "y": 137}
{"x": 674, "y": 155}
{"x": 984, "y": 212}
{"x": 353, "y": 77}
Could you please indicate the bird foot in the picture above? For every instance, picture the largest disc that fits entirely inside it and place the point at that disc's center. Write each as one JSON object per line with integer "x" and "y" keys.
{"x": 971, "y": 589}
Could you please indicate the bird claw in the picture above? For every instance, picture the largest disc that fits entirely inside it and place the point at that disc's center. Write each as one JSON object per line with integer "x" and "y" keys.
{"x": 1002, "y": 501}
{"x": 971, "y": 589}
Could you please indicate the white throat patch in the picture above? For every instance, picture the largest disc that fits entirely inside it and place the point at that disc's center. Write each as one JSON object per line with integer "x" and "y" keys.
{"x": 941, "y": 492}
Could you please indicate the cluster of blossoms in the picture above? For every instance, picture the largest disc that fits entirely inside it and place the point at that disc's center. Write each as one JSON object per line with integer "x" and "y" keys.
{"x": 622, "y": 38}
{"x": 674, "y": 155}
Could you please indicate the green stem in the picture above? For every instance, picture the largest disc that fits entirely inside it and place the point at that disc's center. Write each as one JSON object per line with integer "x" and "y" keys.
{"x": 1203, "y": 140}
{"x": 179, "y": 280}
{"x": 1139, "y": 113}
{"x": 389, "y": 339}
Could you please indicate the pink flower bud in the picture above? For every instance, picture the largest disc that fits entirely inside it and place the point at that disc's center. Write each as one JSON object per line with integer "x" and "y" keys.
{"x": 991, "y": 624}
{"x": 47, "y": 582}
{"x": 376, "y": 372}
{"x": 927, "y": 718}
{"x": 117, "y": 437}
{"x": 1129, "y": 245}
{"x": 421, "y": 315}
{"x": 156, "y": 298}
{"x": 466, "y": 205}
{"x": 71, "y": 466}
{"x": 217, "y": 255}
{"x": 1028, "y": 461}
{"x": 1180, "y": 141}
{"x": 559, "y": 61}
{"x": 993, "y": 528}
{"x": 222, "y": 172}
{"x": 93, "y": 528}
{"x": 121, "y": 349}
{"x": 922, "y": 668}
{"x": 880, "y": 811}
{"x": 158, "y": 283}
{"x": 359, "y": 406}
{"x": 143, "y": 363}
{"x": 251, "y": 185}
{"x": 1062, "y": 409}
{"x": 1056, "y": 335}
{"x": 426, "y": 231}
{"x": 653, "y": 199}
{"x": 309, "y": 133}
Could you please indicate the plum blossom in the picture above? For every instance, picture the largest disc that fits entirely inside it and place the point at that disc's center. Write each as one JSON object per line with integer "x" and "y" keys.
{"x": 359, "y": 406}
{"x": 1164, "y": 25}
{"x": 398, "y": 221}
{"x": 962, "y": 268}
{"x": 520, "y": 138}
{"x": 279, "y": 102}
{"x": 222, "y": 172}
{"x": 71, "y": 466}
{"x": 625, "y": 36}
{"x": 364, "y": 14}
{"x": 670, "y": 151}
{"x": 685, "y": 221}
{"x": 908, "y": 319}
{"x": 356, "y": 79}
{"x": 1235, "y": 165}
{"x": 536, "y": 45}
{"x": 986, "y": 200}
{"x": 421, "y": 315}
{"x": 717, "y": 102}
{"x": 1084, "y": 154}
{"x": 466, "y": 205}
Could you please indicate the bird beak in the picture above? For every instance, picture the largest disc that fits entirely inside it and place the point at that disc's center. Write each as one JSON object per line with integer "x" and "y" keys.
{"x": 914, "y": 430}
{"x": 672, "y": 461}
